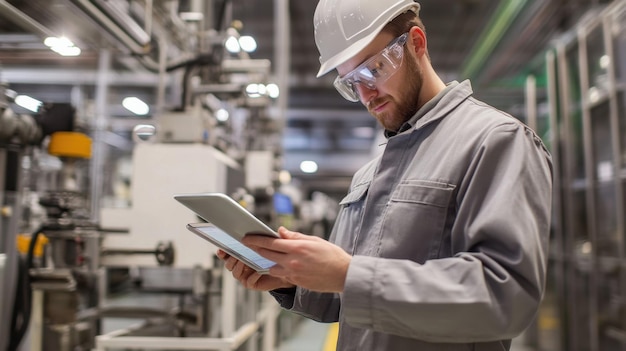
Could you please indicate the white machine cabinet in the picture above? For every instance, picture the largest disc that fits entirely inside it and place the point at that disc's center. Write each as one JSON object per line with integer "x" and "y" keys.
{"x": 159, "y": 171}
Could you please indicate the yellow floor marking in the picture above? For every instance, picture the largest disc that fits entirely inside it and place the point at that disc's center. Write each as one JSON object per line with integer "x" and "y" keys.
{"x": 331, "y": 338}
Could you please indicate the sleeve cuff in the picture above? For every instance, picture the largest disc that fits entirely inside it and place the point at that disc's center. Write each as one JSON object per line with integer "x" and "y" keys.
{"x": 284, "y": 296}
{"x": 359, "y": 292}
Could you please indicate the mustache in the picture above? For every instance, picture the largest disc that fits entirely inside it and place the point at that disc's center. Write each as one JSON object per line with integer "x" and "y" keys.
{"x": 374, "y": 102}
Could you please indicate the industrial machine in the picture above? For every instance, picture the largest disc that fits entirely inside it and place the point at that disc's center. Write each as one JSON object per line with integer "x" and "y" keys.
{"x": 93, "y": 276}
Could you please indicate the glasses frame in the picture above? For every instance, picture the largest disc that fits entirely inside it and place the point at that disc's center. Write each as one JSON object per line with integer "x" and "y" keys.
{"x": 393, "y": 54}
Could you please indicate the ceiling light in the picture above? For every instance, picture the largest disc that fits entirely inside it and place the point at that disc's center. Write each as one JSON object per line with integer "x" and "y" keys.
{"x": 272, "y": 90}
{"x": 232, "y": 45}
{"x": 57, "y": 41}
{"x": 256, "y": 90}
{"x": 66, "y": 50}
{"x": 62, "y": 46}
{"x": 222, "y": 115}
{"x": 308, "y": 166}
{"x": 136, "y": 106}
{"x": 28, "y": 102}
{"x": 247, "y": 43}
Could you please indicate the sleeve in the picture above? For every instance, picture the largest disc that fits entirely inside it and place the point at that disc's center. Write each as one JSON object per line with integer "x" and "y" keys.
{"x": 491, "y": 287}
{"x": 320, "y": 307}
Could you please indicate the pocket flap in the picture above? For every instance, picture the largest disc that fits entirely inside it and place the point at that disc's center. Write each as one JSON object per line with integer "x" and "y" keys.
{"x": 355, "y": 194}
{"x": 424, "y": 192}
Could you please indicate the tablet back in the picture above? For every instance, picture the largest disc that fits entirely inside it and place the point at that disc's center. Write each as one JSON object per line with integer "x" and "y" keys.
{"x": 225, "y": 213}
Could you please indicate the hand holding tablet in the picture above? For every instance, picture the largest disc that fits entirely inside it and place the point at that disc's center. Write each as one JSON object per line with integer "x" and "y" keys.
{"x": 228, "y": 223}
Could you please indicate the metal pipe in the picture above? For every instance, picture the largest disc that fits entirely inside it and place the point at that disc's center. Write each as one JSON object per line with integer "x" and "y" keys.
{"x": 99, "y": 124}
{"x": 555, "y": 149}
{"x": 148, "y": 18}
{"x": 505, "y": 15}
{"x": 615, "y": 144}
{"x": 18, "y": 17}
{"x": 531, "y": 102}
{"x": 590, "y": 186}
{"x": 282, "y": 40}
{"x": 229, "y": 303}
{"x": 573, "y": 339}
{"x": 108, "y": 24}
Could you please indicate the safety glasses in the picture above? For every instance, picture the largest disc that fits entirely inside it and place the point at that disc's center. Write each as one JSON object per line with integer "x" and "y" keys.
{"x": 375, "y": 70}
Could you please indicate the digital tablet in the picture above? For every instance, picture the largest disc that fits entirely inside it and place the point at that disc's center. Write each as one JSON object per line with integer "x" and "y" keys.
{"x": 225, "y": 213}
{"x": 228, "y": 223}
{"x": 232, "y": 246}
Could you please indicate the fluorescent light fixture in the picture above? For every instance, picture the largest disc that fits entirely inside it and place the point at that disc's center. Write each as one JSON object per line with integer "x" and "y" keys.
{"x": 308, "y": 166}
{"x": 247, "y": 43}
{"x": 57, "y": 41}
{"x": 232, "y": 45}
{"x": 272, "y": 90}
{"x": 256, "y": 90}
{"x": 135, "y": 105}
{"x": 66, "y": 50}
{"x": 28, "y": 102}
{"x": 222, "y": 115}
{"x": 62, "y": 46}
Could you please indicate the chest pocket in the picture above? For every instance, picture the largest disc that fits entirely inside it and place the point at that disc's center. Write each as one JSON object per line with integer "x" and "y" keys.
{"x": 415, "y": 220}
{"x": 350, "y": 215}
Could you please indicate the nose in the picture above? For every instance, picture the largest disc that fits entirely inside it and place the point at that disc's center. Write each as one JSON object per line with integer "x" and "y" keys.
{"x": 366, "y": 93}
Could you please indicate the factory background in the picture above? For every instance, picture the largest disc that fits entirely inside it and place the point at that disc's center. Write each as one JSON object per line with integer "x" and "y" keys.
{"x": 110, "y": 107}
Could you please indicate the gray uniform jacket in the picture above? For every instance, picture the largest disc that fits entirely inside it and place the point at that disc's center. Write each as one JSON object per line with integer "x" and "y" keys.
{"x": 448, "y": 229}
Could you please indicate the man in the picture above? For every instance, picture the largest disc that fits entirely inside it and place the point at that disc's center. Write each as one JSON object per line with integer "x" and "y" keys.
{"x": 441, "y": 242}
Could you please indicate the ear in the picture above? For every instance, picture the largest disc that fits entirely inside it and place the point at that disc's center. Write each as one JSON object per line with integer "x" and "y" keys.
{"x": 417, "y": 41}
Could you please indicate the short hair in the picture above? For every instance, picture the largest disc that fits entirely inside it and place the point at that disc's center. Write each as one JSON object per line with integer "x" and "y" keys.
{"x": 403, "y": 23}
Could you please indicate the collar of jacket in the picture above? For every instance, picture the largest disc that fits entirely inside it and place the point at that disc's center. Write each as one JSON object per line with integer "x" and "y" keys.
{"x": 438, "y": 107}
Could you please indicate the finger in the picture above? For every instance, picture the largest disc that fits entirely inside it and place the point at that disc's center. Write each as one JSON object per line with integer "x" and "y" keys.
{"x": 253, "y": 280}
{"x": 238, "y": 270}
{"x": 279, "y": 271}
{"x": 289, "y": 234}
{"x": 222, "y": 255}
{"x": 272, "y": 255}
{"x": 230, "y": 263}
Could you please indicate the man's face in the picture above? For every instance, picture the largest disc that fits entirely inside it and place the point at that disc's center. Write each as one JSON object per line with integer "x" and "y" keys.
{"x": 395, "y": 100}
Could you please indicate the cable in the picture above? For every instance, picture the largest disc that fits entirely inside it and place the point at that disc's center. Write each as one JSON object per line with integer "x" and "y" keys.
{"x": 20, "y": 317}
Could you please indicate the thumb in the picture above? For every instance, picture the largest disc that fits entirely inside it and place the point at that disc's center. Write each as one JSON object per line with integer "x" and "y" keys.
{"x": 288, "y": 234}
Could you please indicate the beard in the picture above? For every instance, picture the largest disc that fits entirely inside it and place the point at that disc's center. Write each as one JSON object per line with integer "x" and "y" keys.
{"x": 406, "y": 104}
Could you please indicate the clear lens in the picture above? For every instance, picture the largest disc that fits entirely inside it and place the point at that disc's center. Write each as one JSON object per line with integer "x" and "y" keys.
{"x": 346, "y": 89}
{"x": 375, "y": 70}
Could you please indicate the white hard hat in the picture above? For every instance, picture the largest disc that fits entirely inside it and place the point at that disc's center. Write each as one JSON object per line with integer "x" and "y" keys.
{"x": 345, "y": 27}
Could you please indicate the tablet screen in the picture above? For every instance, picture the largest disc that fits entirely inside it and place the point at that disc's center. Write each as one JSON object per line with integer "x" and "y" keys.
{"x": 229, "y": 242}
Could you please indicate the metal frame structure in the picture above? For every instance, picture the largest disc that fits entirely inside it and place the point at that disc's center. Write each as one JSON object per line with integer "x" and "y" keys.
{"x": 589, "y": 148}
{"x": 232, "y": 337}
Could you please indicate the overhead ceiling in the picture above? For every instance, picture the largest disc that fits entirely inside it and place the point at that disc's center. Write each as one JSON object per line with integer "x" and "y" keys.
{"x": 492, "y": 42}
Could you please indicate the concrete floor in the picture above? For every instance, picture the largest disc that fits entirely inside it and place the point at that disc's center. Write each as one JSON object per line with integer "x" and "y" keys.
{"x": 312, "y": 336}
